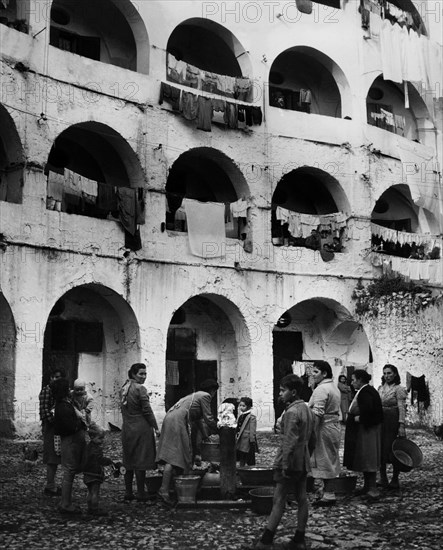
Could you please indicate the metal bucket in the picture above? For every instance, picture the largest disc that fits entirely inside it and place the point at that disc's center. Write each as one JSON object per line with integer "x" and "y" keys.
{"x": 261, "y": 499}
{"x": 186, "y": 488}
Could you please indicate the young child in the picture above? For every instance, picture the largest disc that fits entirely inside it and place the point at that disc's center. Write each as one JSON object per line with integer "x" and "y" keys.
{"x": 292, "y": 464}
{"x": 246, "y": 433}
{"x": 93, "y": 473}
{"x": 82, "y": 401}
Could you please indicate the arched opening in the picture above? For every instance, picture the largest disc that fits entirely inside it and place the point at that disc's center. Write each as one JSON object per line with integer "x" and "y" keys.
{"x": 204, "y": 174}
{"x": 7, "y": 368}
{"x": 402, "y": 228}
{"x": 207, "y": 338}
{"x": 205, "y": 55}
{"x": 93, "y": 334}
{"x": 304, "y": 79}
{"x": 11, "y": 160}
{"x": 318, "y": 328}
{"x": 110, "y": 31}
{"x": 309, "y": 209}
{"x": 92, "y": 171}
{"x": 388, "y": 109}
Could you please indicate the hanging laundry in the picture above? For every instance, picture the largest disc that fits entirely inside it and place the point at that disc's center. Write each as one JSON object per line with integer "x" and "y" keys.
{"x": 239, "y": 209}
{"x": 420, "y": 391}
{"x": 209, "y": 82}
{"x": 230, "y": 86}
{"x": 176, "y": 70}
{"x": 231, "y": 115}
{"x": 221, "y": 84}
{"x": 257, "y": 115}
{"x": 206, "y": 228}
{"x": 127, "y": 207}
{"x": 242, "y": 87}
{"x": 106, "y": 197}
{"x": 194, "y": 77}
{"x": 170, "y": 94}
{"x": 282, "y": 214}
{"x": 189, "y": 105}
{"x": 204, "y": 113}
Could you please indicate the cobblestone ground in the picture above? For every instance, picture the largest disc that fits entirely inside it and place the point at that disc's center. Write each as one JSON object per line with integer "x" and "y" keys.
{"x": 407, "y": 519}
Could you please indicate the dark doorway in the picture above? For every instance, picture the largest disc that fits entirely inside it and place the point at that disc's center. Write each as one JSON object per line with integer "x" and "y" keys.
{"x": 184, "y": 372}
{"x": 287, "y": 347}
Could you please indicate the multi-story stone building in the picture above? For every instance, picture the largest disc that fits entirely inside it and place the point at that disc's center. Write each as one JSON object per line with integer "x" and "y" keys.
{"x": 163, "y": 165}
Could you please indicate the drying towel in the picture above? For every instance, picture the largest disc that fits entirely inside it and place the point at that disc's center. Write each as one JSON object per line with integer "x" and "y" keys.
{"x": 206, "y": 228}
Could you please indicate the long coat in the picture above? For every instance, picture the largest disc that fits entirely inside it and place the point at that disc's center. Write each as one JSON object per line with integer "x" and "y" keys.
{"x": 175, "y": 446}
{"x": 363, "y": 438}
{"x": 139, "y": 423}
{"x": 297, "y": 427}
{"x": 247, "y": 433}
{"x": 325, "y": 404}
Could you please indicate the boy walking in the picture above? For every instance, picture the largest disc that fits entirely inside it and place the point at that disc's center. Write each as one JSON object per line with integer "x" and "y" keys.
{"x": 292, "y": 464}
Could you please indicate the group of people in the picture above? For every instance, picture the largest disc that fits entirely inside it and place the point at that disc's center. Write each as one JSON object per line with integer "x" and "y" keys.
{"x": 66, "y": 417}
{"x": 310, "y": 438}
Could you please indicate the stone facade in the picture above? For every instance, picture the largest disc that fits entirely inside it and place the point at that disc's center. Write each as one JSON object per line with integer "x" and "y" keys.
{"x": 104, "y": 115}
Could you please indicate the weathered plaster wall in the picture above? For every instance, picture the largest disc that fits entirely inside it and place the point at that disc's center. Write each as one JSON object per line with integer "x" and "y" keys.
{"x": 48, "y": 252}
{"x": 413, "y": 342}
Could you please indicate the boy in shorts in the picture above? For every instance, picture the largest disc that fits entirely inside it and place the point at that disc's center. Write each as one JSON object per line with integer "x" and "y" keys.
{"x": 292, "y": 464}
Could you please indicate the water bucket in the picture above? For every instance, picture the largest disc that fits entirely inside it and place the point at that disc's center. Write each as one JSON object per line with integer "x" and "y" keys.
{"x": 186, "y": 488}
{"x": 261, "y": 499}
{"x": 153, "y": 483}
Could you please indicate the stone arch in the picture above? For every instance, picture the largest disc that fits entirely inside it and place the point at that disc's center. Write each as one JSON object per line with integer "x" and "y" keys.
{"x": 7, "y": 368}
{"x": 317, "y": 328}
{"x": 11, "y": 159}
{"x": 111, "y": 31}
{"x": 390, "y": 96}
{"x": 223, "y": 53}
{"x": 203, "y": 174}
{"x": 82, "y": 158}
{"x": 306, "y": 190}
{"x": 396, "y": 210}
{"x": 304, "y": 67}
{"x": 93, "y": 333}
{"x": 208, "y": 337}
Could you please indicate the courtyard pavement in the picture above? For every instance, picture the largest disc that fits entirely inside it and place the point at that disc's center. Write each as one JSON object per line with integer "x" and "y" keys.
{"x": 410, "y": 518}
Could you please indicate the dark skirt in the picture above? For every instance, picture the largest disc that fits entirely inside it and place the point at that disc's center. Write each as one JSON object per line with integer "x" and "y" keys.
{"x": 389, "y": 433}
{"x": 362, "y": 447}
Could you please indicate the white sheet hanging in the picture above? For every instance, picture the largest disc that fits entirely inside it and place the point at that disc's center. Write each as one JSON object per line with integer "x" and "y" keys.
{"x": 206, "y": 228}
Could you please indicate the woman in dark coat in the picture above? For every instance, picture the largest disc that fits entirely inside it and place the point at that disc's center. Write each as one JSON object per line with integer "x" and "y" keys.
{"x": 363, "y": 433}
{"x": 139, "y": 425}
{"x": 175, "y": 444}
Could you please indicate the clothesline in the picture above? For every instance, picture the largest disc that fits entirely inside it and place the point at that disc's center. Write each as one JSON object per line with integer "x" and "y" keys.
{"x": 416, "y": 270}
{"x": 403, "y": 237}
{"x": 202, "y": 109}
{"x": 184, "y": 73}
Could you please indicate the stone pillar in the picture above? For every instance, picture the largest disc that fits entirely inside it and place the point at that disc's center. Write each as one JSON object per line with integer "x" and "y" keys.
{"x": 227, "y": 463}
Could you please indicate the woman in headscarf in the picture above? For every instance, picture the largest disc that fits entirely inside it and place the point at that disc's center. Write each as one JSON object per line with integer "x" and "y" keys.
{"x": 175, "y": 449}
{"x": 139, "y": 425}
